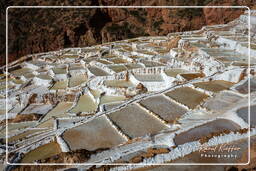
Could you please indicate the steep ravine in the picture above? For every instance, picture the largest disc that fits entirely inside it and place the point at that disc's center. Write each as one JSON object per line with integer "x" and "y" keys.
{"x": 41, "y": 30}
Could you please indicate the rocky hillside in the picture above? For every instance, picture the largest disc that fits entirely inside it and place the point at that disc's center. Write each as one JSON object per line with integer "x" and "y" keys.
{"x": 40, "y": 30}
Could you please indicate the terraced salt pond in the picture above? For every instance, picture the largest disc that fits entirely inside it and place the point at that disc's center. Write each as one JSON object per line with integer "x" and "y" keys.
{"x": 112, "y": 105}
{"x": 166, "y": 109}
{"x": 222, "y": 101}
{"x": 76, "y": 67}
{"x": 173, "y": 72}
{"x": 151, "y": 63}
{"x": 60, "y": 85}
{"x": 202, "y": 131}
{"x": 191, "y": 76}
{"x": 96, "y": 93}
{"x": 59, "y": 70}
{"x": 59, "y": 110}
{"x": 77, "y": 80}
{"x": 109, "y": 99}
{"x": 85, "y": 104}
{"x": 149, "y": 77}
{"x": 44, "y": 77}
{"x": 136, "y": 57}
{"x": 13, "y": 80}
{"x": 243, "y": 88}
{"x": 199, "y": 45}
{"x": 118, "y": 68}
{"x": 238, "y": 38}
{"x": 97, "y": 71}
{"x": 118, "y": 83}
{"x": 232, "y": 59}
{"x": 42, "y": 152}
{"x": 48, "y": 123}
{"x": 146, "y": 52}
{"x": 69, "y": 56}
{"x": 135, "y": 121}
{"x": 13, "y": 127}
{"x": 215, "y": 85}
{"x": 118, "y": 60}
{"x": 187, "y": 96}
{"x": 23, "y": 135}
{"x": 103, "y": 61}
{"x": 37, "y": 108}
{"x": 133, "y": 66}
{"x": 217, "y": 52}
{"x": 93, "y": 135}
{"x": 22, "y": 71}
{"x": 244, "y": 114}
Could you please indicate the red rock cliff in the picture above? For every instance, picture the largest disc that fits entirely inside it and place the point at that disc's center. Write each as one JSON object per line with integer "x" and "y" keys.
{"x": 40, "y": 30}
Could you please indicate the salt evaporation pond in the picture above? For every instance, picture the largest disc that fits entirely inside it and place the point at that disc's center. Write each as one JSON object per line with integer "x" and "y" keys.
{"x": 93, "y": 135}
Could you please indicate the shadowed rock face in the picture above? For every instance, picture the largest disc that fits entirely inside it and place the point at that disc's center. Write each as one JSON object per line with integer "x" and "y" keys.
{"x": 40, "y": 30}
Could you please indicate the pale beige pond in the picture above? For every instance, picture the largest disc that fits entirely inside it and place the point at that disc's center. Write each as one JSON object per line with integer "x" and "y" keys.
{"x": 76, "y": 67}
{"x": 69, "y": 56}
{"x": 60, "y": 109}
{"x": 29, "y": 75}
{"x": 110, "y": 99}
{"x": 77, "y": 80}
{"x": 187, "y": 96}
{"x": 166, "y": 109}
{"x": 13, "y": 127}
{"x": 133, "y": 66}
{"x": 59, "y": 70}
{"x": 118, "y": 83}
{"x": 23, "y": 135}
{"x": 48, "y": 123}
{"x": 111, "y": 105}
{"x": 135, "y": 121}
{"x": 60, "y": 85}
{"x": 151, "y": 63}
{"x": 93, "y": 135}
{"x": 118, "y": 60}
{"x": 149, "y": 77}
{"x": 110, "y": 56}
{"x": 215, "y": 85}
{"x": 42, "y": 152}
{"x": 97, "y": 71}
{"x": 173, "y": 72}
{"x": 118, "y": 68}
{"x": 103, "y": 61}
{"x": 14, "y": 80}
{"x": 95, "y": 93}
{"x": 22, "y": 71}
{"x": 2, "y": 111}
{"x": 44, "y": 77}
{"x": 146, "y": 52}
{"x": 85, "y": 104}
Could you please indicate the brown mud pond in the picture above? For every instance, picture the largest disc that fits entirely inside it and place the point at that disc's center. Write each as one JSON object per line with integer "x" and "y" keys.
{"x": 191, "y": 76}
